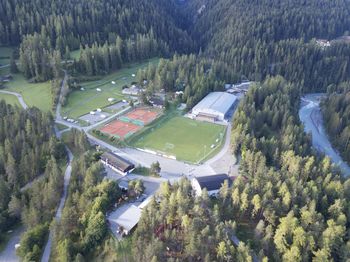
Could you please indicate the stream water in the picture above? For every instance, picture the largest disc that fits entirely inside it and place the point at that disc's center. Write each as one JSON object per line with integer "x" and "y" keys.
{"x": 310, "y": 115}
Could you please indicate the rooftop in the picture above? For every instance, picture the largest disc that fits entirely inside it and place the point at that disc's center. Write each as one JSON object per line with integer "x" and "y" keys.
{"x": 216, "y": 101}
{"x": 129, "y": 218}
{"x": 116, "y": 160}
{"x": 213, "y": 182}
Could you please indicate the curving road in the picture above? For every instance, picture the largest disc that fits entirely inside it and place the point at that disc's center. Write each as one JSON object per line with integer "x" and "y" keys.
{"x": 310, "y": 115}
{"x": 19, "y": 96}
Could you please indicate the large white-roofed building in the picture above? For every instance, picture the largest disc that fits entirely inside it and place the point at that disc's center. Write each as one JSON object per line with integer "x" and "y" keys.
{"x": 215, "y": 106}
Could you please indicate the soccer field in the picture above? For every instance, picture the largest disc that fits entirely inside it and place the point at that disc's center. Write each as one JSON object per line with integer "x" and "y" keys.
{"x": 189, "y": 140}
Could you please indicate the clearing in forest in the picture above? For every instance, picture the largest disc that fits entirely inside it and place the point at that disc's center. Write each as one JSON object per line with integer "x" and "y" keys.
{"x": 95, "y": 94}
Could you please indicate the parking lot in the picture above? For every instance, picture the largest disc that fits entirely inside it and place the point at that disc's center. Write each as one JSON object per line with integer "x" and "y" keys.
{"x": 94, "y": 118}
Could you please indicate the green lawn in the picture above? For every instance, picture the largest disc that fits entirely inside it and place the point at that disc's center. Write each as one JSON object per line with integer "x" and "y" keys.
{"x": 34, "y": 94}
{"x": 82, "y": 102}
{"x": 75, "y": 54}
{"x": 10, "y": 99}
{"x": 187, "y": 139}
{"x": 61, "y": 127}
{"x": 5, "y": 55}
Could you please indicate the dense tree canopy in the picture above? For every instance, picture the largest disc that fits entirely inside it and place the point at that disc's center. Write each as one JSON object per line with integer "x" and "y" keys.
{"x": 258, "y": 38}
{"x": 71, "y": 23}
{"x": 83, "y": 226}
{"x": 185, "y": 228}
{"x": 196, "y": 76}
{"x": 297, "y": 199}
{"x": 336, "y": 112}
{"x": 28, "y": 149}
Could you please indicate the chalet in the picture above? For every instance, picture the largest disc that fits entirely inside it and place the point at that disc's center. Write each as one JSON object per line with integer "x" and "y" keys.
{"x": 211, "y": 183}
{"x": 117, "y": 163}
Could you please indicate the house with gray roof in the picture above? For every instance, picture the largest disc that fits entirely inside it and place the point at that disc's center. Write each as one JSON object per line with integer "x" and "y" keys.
{"x": 211, "y": 183}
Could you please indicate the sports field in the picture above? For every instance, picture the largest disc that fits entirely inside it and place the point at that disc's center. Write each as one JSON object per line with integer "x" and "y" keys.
{"x": 120, "y": 129}
{"x": 82, "y": 102}
{"x": 187, "y": 139}
{"x": 130, "y": 123}
{"x": 140, "y": 116}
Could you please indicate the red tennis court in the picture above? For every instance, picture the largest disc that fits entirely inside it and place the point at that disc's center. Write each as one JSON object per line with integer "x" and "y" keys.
{"x": 120, "y": 129}
{"x": 142, "y": 115}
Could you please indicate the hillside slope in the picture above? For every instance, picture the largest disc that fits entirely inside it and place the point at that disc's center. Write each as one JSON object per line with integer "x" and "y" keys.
{"x": 274, "y": 37}
{"x": 75, "y": 22}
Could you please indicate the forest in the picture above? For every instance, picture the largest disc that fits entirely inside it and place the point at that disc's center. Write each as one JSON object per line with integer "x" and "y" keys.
{"x": 336, "y": 113}
{"x": 270, "y": 37}
{"x": 28, "y": 150}
{"x": 294, "y": 201}
{"x": 195, "y": 76}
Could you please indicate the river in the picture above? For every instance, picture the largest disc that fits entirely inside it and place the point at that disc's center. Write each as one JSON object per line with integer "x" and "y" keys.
{"x": 310, "y": 115}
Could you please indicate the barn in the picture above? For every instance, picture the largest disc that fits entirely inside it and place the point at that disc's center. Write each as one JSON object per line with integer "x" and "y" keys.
{"x": 214, "y": 107}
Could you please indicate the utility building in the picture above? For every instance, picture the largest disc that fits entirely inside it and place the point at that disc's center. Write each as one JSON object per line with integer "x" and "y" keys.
{"x": 214, "y": 107}
{"x": 117, "y": 163}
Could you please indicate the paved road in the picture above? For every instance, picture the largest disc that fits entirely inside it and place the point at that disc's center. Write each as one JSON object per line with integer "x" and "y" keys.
{"x": 9, "y": 253}
{"x": 311, "y": 117}
{"x": 19, "y": 96}
{"x": 67, "y": 175}
{"x": 224, "y": 149}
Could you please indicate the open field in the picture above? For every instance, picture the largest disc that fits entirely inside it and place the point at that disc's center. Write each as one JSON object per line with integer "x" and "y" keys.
{"x": 10, "y": 99}
{"x": 34, "y": 94}
{"x": 187, "y": 139}
{"x": 5, "y": 55}
{"x": 82, "y": 102}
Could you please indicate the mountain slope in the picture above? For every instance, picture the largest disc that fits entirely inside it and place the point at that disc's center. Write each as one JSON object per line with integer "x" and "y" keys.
{"x": 75, "y": 22}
